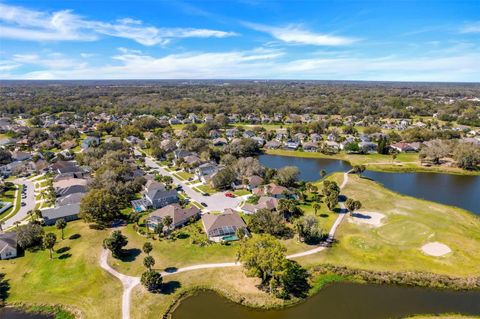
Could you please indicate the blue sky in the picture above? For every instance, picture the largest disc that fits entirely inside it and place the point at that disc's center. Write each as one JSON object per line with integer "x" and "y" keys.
{"x": 245, "y": 39}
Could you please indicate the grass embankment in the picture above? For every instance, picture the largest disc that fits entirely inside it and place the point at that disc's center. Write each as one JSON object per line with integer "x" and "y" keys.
{"x": 73, "y": 278}
{"x": 12, "y": 195}
{"x": 407, "y": 225}
{"x": 405, "y": 162}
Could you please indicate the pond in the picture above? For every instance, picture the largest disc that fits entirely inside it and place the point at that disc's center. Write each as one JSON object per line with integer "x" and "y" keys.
{"x": 457, "y": 190}
{"x": 341, "y": 301}
{"x": 11, "y": 313}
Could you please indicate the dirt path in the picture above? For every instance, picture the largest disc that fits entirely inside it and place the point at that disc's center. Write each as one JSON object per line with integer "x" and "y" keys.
{"x": 129, "y": 282}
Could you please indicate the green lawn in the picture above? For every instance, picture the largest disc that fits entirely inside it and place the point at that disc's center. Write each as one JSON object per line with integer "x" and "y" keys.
{"x": 9, "y": 197}
{"x": 73, "y": 278}
{"x": 205, "y": 189}
{"x": 182, "y": 175}
{"x": 241, "y": 192}
{"x": 407, "y": 225}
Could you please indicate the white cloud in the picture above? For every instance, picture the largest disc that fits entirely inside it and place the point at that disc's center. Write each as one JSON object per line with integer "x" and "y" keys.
{"x": 24, "y": 24}
{"x": 471, "y": 28}
{"x": 295, "y": 34}
{"x": 258, "y": 64}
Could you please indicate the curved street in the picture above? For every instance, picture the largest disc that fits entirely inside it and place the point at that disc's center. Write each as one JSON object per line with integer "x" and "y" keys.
{"x": 129, "y": 282}
{"x": 29, "y": 201}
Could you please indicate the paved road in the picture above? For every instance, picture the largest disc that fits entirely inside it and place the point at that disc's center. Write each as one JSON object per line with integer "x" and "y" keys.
{"x": 29, "y": 200}
{"x": 215, "y": 202}
{"x": 130, "y": 282}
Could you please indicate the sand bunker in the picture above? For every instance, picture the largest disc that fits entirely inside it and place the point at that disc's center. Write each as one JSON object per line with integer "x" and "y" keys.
{"x": 436, "y": 249}
{"x": 370, "y": 218}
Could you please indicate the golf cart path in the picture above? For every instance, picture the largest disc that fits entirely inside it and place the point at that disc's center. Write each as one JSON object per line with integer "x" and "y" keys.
{"x": 130, "y": 282}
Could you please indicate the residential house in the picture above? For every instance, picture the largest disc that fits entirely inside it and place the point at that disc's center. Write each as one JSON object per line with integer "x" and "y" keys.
{"x": 219, "y": 142}
{"x": 223, "y": 227}
{"x": 156, "y": 195}
{"x": 8, "y": 245}
{"x": 264, "y": 202}
{"x": 206, "y": 171}
{"x": 272, "y": 190}
{"x": 179, "y": 215}
{"x": 61, "y": 192}
{"x": 291, "y": 145}
{"x": 403, "y": 147}
{"x": 310, "y": 146}
{"x": 254, "y": 181}
{"x": 260, "y": 141}
{"x": 67, "y": 212}
{"x": 368, "y": 147}
{"x": 90, "y": 141}
{"x": 273, "y": 144}
{"x": 21, "y": 156}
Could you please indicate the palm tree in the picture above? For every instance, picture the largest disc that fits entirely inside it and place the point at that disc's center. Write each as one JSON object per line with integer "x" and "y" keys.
{"x": 316, "y": 206}
{"x": 61, "y": 224}
{"x": 49, "y": 241}
{"x": 148, "y": 262}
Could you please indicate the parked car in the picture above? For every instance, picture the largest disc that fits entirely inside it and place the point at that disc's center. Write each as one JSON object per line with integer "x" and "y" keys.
{"x": 203, "y": 204}
{"x": 231, "y": 195}
{"x": 205, "y": 194}
{"x": 23, "y": 204}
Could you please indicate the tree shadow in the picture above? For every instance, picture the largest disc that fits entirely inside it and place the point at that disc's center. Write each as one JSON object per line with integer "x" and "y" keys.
{"x": 342, "y": 198}
{"x": 4, "y": 288}
{"x": 323, "y": 215}
{"x": 74, "y": 236}
{"x": 170, "y": 287}
{"x": 171, "y": 270}
{"x": 182, "y": 236}
{"x": 65, "y": 256}
{"x": 362, "y": 216}
{"x": 63, "y": 250}
{"x": 129, "y": 255}
{"x": 337, "y": 210}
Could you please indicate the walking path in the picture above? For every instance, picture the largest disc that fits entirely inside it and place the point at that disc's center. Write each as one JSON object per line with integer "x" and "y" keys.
{"x": 130, "y": 282}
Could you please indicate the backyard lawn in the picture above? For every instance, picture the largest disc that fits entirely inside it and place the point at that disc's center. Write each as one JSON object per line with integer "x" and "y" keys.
{"x": 69, "y": 277}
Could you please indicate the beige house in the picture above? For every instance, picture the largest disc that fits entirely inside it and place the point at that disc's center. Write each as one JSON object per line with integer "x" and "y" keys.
{"x": 8, "y": 245}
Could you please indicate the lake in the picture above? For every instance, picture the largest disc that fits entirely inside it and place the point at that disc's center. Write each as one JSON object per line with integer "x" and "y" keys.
{"x": 457, "y": 190}
{"x": 11, "y": 313}
{"x": 341, "y": 301}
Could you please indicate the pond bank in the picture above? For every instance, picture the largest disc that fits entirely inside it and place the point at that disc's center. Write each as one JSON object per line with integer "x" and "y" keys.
{"x": 377, "y": 162}
{"x": 341, "y": 301}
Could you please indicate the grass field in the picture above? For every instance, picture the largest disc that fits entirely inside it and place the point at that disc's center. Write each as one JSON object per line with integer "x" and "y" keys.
{"x": 405, "y": 162}
{"x": 408, "y": 224}
{"x": 72, "y": 278}
{"x": 241, "y": 192}
{"x": 205, "y": 189}
{"x": 183, "y": 175}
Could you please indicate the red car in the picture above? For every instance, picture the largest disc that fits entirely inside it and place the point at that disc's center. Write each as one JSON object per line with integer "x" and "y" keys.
{"x": 230, "y": 195}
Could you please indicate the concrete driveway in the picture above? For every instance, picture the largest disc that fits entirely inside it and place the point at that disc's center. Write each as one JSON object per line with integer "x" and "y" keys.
{"x": 29, "y": 201}
{"x": 215, "y": 202}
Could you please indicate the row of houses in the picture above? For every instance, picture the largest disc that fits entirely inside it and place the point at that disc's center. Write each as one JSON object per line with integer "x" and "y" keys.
{"x": 70, "y": 185}
{"x": 218, "y": 227}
